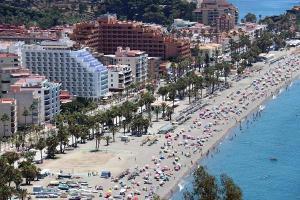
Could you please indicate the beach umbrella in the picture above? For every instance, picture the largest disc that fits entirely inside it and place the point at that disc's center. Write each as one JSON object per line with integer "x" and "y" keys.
{"x": 135, "y": 198}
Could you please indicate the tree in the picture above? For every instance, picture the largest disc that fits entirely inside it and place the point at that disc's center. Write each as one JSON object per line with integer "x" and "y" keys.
{"x": 181, "y": 85}
{"x": 52, "y": 143}
{"x": 11, "y": 157}
{"x": 114, "y": 130}
{"x": 148, "y": 99}
{"x": 206, "y": 187}
{"x": 163, "y": 91}
{"x": 22, "y": 194}
{"x": 229, "y": 190}
{"x": 4, "y": 119}
{"x": 29, "y": 171}
{"x": 32, "y": 108}
{"x": 25, "y": 114}
{"x": 62, "y": 136}
{"x": 169, "y": 113}
{"x": 163, "y": 108}
{"x": 98, "y": 139}
{"x": 250, "y": 17}
{"x": 172, "y": 93}
{"x": 41, "y": 145}
{"x": 107, "y": 139}
{"x": 157, "y": 110}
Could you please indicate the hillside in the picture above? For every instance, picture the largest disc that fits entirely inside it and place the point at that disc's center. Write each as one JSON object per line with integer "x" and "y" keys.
{"x": 47, "y": 13}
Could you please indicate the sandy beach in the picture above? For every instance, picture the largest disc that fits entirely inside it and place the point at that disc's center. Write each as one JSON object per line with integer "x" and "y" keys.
{"x": 158, "y": 168}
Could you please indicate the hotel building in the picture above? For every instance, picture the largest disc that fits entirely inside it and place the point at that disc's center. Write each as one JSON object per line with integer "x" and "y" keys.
{"x": 78, "y": 71}
{"x": 107, "y": 33}
{"x": 211, "y": 12}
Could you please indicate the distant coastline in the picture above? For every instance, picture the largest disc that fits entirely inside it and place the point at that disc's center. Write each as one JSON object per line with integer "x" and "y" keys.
{"x": 263, "y": 7}
{"x": 229, "y": 131}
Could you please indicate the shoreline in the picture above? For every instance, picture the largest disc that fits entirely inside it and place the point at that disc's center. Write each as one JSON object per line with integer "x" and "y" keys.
{"x": 227, "y": 132}
{"x": 224, "y": 111}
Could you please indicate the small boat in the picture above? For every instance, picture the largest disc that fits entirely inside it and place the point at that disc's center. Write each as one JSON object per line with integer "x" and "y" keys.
{"x": 63, "y": 186}
{"x": 273, "y": 159}
{"x": 64, "y": 176}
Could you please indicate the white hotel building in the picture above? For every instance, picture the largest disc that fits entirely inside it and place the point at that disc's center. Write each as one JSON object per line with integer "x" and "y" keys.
{"x": 77, "y": 70}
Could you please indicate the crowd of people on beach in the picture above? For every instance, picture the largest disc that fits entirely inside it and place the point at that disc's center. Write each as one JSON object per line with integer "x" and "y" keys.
{"x": 180, "y": 149}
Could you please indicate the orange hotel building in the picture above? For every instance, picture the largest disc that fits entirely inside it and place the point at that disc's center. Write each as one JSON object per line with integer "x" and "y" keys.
{"x": 107, "y": 33}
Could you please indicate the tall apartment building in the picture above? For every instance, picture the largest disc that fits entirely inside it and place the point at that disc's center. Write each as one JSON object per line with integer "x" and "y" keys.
{"x": 8, "y": 60}
{"x": 78, "y": 71}
{"x": 119, "y": 77}
{"x": 210, "y": 11}
{"x": 154, "y": 72}
{"x": 8, "y": 63}
{"x": 107, "y": 33}
{"x": 135, "y": 59}
{"x": 8, "y": 107}
{"x": 38, "y": 96}
{"x": 225, "y": 23}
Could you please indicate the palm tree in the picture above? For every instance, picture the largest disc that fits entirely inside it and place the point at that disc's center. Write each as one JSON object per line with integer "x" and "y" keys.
{"x": 29, "y": 171}
{"x": 32, "y": 108}
{"x": 163, "y": 91}
{"x": 128, "y": 110}
{"x": 226, "y": 70}
{"x": 163, "y": 108}
{"x": 174, "y": 69}
{"x": 51, "y": 143}
{"x": 169, "y": 113}
{"x": 172, "y": 93}
{"x": 25, "y": 114}
{"x": 98, "y": 139}
{"x": 114, "y": 130}
{"x": 22, "y": 194}
{"x": 148, "y": 98}
{"x": 150, "y": 88}
{"x": 107, "y": 139}
{"x": 4, "y": 118}
{"x": 181, "y": 85}
{"x": 199, "y": 61}
{"x": 41, "y": 145}
{"x": 63, "y": 135}
{"x": 189, "y": 81}
{"x": 157, "y": 110}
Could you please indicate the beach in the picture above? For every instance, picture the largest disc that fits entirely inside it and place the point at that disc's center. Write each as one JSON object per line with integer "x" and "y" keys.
{"x": 159, "y": 167}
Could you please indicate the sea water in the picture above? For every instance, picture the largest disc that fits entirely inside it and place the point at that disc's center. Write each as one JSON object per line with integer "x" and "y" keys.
{"x": 263, "y": 7}
{"x": 264, "y": 157}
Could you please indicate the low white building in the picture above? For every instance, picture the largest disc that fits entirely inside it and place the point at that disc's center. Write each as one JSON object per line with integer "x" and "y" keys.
{"x": 78, "y": 71}
{"x": 119, "y": 77}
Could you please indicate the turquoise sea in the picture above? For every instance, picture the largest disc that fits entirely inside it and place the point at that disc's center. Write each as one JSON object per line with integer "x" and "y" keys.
{"x": 263, "y": 7}
{"x": 245, "y": 154}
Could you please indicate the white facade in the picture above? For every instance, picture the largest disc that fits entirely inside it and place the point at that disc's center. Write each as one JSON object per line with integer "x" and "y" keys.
{"x": 119, "y": 77}
{"x": 77, "y": 71}
{"x": 38, "y": 96}
{"x": 135, "y": 59}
